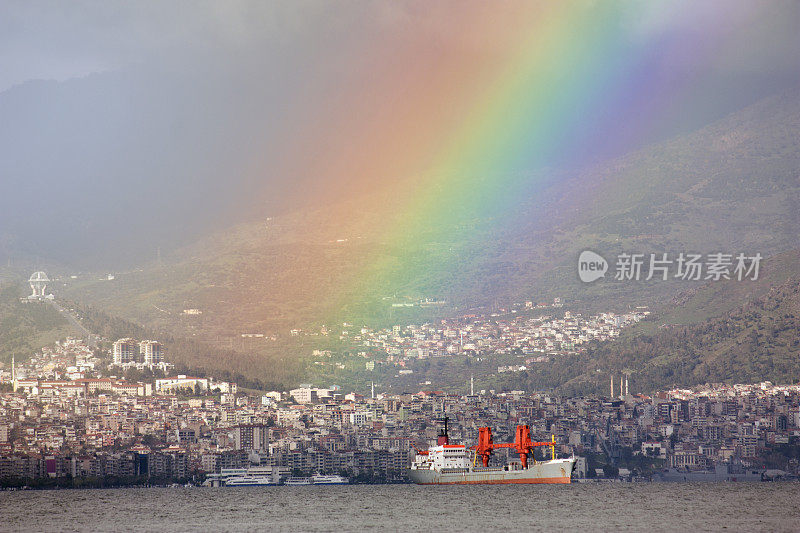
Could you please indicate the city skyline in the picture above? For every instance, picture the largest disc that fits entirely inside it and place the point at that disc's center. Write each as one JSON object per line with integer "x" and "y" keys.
{"x": 407, "y": 265}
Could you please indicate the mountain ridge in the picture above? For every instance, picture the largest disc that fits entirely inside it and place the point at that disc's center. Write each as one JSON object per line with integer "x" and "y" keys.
{"x": 301, "y": 260}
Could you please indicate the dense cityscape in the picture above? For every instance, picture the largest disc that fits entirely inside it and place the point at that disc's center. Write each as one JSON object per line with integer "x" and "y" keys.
{"x": 399, "y": 265}
{"x": 65, "y": 420}
{"x": 519, "y": 330}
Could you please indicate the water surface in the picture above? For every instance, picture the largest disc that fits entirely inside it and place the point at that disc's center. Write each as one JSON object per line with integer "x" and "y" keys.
{"x": 590, "y": 507}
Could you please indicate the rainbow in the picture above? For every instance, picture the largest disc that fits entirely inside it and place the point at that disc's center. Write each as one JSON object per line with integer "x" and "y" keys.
{"x": 520, "y": 87}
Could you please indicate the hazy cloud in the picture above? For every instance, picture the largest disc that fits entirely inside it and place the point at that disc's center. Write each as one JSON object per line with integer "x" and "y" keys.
{"x": 186, "y": 108}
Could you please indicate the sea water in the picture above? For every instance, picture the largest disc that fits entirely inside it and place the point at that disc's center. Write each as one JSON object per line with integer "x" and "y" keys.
{"x": 578, "y": 507}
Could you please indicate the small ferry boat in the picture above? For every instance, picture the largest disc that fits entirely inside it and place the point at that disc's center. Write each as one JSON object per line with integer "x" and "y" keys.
{"x": 248, "y": 481}
{"x": 298, "y": 481}
{"x": 319, "y": 479}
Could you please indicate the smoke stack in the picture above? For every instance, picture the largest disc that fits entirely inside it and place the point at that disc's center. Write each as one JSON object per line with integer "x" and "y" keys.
{"x": 472, "y": 385}
{"x": 626, "y": 386}
{"x": 612, "y": 386}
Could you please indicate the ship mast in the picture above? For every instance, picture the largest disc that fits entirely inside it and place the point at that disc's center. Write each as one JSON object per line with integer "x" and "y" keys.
{"x": 444, "y": 438}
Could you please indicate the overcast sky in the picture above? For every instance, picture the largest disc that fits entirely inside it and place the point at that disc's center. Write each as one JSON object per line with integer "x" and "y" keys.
{"x": 179, "y": 110}
{"x": 61, "y": 40}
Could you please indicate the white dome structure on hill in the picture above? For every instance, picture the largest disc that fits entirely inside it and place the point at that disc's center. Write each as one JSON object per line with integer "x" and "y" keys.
{"x": 38, "y": 281}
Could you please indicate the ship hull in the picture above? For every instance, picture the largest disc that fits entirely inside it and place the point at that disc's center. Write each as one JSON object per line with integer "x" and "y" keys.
{"x": 558, "y": 471}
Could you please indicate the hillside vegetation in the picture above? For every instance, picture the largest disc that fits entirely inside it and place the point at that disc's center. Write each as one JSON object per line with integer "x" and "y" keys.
{"x": 730, "y": 331}
{"x": 733, "y": 186}
{"x": 26, "y": 327}
{"x": 755, "y": 341}
{"x": 253, "y": 369}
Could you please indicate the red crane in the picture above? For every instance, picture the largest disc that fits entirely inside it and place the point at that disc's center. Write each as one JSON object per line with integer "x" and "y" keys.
{"x": 522, "y": 444}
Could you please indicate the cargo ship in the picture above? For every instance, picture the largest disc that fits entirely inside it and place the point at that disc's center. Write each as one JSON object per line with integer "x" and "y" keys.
{"x": 456, "y": 464}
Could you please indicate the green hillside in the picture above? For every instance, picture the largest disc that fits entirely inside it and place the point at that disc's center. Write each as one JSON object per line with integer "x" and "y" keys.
{"x": 732, "y": 186}
{"x": 752, "y": 336}
{"x": 734, "y": 332}
{"x": 26, "y": 327}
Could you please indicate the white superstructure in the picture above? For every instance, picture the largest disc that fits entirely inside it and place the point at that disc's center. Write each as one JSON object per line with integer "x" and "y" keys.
{"x": 320, "y": 479}
{"x": 249, "y": 481}
{"x": 298, "y": 481}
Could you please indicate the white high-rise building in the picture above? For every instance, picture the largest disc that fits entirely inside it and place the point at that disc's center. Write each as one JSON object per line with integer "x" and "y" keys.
{"x": 152, "y": 352}
{"x": 125, "y": 351}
